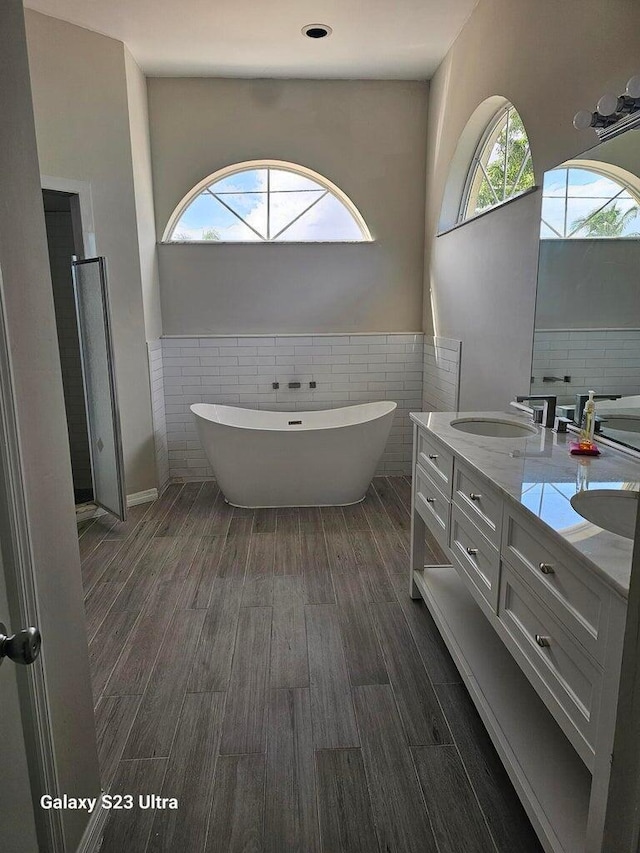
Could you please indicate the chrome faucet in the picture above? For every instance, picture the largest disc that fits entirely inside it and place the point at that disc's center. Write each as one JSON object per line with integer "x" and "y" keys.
{"x": 547, "y": 415}
{"x": 581, "y": 401}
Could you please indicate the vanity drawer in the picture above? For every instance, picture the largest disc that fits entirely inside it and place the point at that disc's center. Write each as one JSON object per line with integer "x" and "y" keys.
{"x": 478, "y": 559}
{"x": 566, "y": 678}
{"x": 437, "y": 461}
{"x": 570, "y": 590}
{"x": 432, "y": 506}
{"x": 478, "y": 500}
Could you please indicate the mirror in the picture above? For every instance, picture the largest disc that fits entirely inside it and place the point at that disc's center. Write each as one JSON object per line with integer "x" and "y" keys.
{"x": 587, "y": 326}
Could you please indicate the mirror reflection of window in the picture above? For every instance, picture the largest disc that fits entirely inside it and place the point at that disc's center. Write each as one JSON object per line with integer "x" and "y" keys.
{"x": 580, "y": 203}
{"x": 587, "y": 324}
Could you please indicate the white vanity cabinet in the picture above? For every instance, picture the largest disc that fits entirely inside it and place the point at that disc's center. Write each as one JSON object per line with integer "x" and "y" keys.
{"x": 433, "y": 505}
{"x": 477, "y": 560}
{"x": 535, "y": 632}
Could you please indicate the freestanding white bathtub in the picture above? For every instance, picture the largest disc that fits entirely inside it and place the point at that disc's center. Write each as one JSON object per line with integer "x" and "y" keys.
{"x": 268, "y": 459}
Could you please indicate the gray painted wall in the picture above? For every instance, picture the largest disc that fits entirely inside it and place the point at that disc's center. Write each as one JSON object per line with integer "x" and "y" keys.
{"x": 588, "y": 284}
{"x": 368, "y": 137}
{"x": 143, "y": 191}
{"x": 82, "y": 124}
{"x": 485, "y": 272}
{"x": 549, "y": 59}
{"x": 40, "y": 414}
{"x": 295, "y": 288}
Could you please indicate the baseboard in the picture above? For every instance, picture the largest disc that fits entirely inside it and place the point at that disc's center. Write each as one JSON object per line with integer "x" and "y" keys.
{"x": 91, "y": 840}
{"x": 142, "y": 497}
{"x": 132, "y": 500}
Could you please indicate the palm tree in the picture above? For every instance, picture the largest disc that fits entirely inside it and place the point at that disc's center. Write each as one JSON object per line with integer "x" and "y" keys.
{"x": 511, "y": 149}
{"x": 185, "y": 237}
{"x": 609, "y": 221}
{"x": 210, "y": 234}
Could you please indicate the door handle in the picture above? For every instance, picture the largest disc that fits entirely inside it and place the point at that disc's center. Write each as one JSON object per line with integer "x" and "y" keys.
{"x": 22, "y": 647}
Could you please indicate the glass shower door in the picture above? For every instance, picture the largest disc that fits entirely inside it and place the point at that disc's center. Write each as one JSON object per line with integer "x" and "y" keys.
{"x": 100, "y": 393}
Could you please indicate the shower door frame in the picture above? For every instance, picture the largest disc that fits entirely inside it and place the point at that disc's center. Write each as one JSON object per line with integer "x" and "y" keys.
{"x": 121, "y": 511}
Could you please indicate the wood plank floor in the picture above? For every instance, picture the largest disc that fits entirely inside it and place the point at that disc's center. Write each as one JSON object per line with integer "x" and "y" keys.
{"x": 269, "y": 670}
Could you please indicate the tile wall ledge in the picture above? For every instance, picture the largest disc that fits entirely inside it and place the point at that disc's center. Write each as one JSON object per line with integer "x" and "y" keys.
{"x": 284, "y": 334}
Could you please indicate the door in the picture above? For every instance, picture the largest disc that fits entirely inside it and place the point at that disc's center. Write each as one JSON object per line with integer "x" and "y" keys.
{"x": 100, "y": 393}
{"x": 17, "y": 821}
{"x": 55, "y": 724}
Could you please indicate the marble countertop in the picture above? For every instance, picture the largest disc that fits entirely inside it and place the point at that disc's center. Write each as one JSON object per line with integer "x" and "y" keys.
{"x": 538, "y": 473}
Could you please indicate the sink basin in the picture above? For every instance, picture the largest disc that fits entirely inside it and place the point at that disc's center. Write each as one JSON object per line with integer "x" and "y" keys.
{"x": 612, "y": 509}
{"x": 494, "y": 427}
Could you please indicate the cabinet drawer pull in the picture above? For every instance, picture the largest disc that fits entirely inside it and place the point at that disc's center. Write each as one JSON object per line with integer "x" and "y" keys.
{"x": 430, "y": 500}
{"x": 543, "y": 642}
{"x": 474, "y": 496}
{"x": 433, "y": 456}
{"x": 472, "y": 551}
{"x": 546, "y": 569}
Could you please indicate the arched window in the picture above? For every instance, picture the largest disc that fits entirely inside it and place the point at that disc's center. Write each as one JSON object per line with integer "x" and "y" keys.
{"x": 501, "y": 167}
{"x": 585, "y": 202}
{"x": 266, "y": 201}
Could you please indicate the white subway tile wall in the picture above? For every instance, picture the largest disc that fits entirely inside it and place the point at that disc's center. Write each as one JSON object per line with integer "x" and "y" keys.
{"x": 605, "y": 360}
{"x": 441, "y": 372}
{"x": 347, "y": 369}
{"x": 156, "y": 376}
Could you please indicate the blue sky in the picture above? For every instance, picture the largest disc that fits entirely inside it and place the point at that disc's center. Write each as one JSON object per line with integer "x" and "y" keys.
{"x": 586, "y": 192}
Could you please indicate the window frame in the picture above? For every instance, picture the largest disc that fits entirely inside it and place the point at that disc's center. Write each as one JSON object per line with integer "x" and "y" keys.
{"x": 493, "y": 129}
{"x": 251, "y": 165}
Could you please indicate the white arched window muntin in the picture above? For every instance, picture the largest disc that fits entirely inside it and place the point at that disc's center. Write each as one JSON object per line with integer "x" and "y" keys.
{"x": 501, "y": 168}
{"x": 266, "y": 201}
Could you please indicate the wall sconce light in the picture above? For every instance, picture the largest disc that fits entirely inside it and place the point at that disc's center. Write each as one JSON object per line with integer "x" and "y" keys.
{"x": 623, "y": 111}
